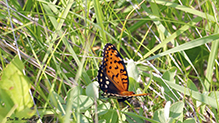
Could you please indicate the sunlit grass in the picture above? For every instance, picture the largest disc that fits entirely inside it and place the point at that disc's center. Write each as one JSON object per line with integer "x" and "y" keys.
{"x": 174, "y": 46}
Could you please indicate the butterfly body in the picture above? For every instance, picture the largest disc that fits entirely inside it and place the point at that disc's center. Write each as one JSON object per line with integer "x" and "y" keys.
{"x": 112, "y": 74}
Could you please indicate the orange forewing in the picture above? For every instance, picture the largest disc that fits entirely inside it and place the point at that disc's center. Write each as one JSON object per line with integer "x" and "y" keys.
{"x": 112, "y": 74}
{"x": 115, "y": 70}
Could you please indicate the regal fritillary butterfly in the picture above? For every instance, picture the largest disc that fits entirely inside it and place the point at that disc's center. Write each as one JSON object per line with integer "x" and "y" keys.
{"x": 112, "y": 74}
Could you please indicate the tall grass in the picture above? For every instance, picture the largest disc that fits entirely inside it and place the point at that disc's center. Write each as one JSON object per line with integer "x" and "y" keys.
{"x": 171, "y": 48}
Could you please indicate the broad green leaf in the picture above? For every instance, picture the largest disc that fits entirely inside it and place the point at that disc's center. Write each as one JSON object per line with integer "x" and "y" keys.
{"x": 103, "y": 107}
{"x": 159, "y": 116}
{"x": 189, "y": 120}
{"x": 133, "y": 85}
{"x": 15, "y": 88}
{"x": 92, "y": 90}
{"x": 176, "y": 111}
{"x": 84, "y": 102}
{"x": 167, "y": 110}
{"x": 133, "y": 74}
{"x": 169, "y": 76}
{"x": 191, "y": 85}
{"x": 132, "y": 70}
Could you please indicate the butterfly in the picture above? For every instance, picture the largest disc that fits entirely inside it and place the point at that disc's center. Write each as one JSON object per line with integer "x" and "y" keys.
{"x": 112, "y": 74}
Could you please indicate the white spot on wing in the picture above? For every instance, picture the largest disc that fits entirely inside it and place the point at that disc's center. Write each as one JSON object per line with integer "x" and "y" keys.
{"x": 107, "y": 82}
{"x": 106, "y": 86}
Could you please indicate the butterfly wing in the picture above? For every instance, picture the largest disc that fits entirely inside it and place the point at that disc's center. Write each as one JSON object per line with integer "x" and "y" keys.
{"x": 112, "y": 75}
{"x": 104, "y": 82}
